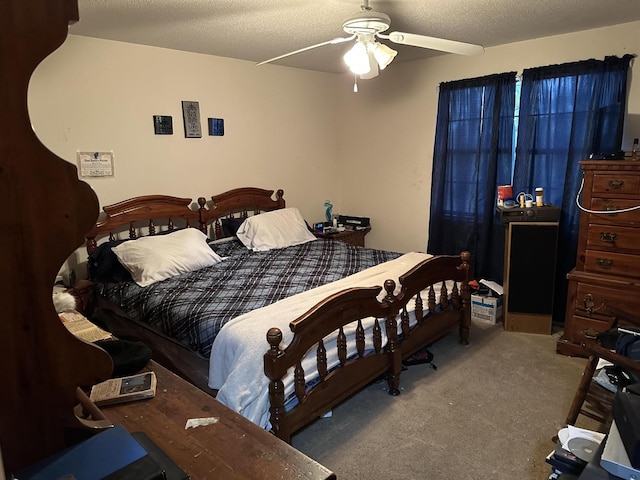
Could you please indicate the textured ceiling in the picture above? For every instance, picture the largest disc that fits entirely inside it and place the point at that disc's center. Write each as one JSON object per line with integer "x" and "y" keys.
{"x": 258, "y": 30}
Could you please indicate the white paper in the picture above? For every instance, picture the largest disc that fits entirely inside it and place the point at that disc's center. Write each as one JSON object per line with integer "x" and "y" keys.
{"x": 201, "y": 422}
{"x": 496, "y": 287}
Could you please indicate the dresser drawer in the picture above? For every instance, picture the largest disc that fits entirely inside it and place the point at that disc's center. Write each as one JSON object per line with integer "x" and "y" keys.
{"x": 616, "y": 183}
{"x": 594, "y": 299}
{"x": 613, "y": 238}
{"x": 611, "y": 263}
{"x": 581, "y": 330}
{"x": 612, "y": 204}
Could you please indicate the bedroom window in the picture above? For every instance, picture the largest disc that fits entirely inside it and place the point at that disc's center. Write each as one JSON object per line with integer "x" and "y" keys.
{"x": 557, "y": 116}
{"x": 473, "y": 153}
{"x": 568, "y": 112}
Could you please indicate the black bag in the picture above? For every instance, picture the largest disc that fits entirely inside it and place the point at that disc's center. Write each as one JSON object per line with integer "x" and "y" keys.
{"x": 628, "y": 345}
{"x": 625, "y": 344}
{"x": 128, "y": 357}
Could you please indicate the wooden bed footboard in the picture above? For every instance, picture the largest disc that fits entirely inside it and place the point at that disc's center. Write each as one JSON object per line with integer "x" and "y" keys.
{"x": 382, "y": 334}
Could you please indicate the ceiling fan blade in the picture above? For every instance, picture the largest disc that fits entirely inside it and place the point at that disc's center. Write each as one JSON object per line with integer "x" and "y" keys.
{"x": 434, "y": 43}
{"x": 328, "y": 42}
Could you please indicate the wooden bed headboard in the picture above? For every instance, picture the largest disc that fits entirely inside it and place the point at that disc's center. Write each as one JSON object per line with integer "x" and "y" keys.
{"x": 237, "y": 201}
{"x": 150, "y": 211}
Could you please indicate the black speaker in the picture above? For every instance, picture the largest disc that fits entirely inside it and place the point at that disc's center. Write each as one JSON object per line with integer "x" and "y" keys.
{"x": 530, "y": 264}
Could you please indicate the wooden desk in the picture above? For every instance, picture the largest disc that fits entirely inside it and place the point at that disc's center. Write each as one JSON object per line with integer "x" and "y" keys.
{"x": 232, "y": 448}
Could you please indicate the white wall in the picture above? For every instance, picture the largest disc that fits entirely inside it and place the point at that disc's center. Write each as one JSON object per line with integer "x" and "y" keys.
{"x": 390, "y": 124}
{"x": 280, "y": 129}
{"x": 370, "y": 153}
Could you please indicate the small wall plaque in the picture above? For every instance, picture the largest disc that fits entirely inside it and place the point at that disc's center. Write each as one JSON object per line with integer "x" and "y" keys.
{"x": 191, "y": 116}
{"x": 95, "y": 164}
{"x": 163, "y": 125}
{"x": 216, "y": 127}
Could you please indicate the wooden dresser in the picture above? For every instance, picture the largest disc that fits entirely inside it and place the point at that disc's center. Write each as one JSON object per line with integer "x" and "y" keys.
{"x": 606, "y": 279}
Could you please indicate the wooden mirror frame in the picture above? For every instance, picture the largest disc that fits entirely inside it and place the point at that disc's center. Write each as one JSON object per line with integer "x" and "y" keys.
{"x": 45, "y": 211}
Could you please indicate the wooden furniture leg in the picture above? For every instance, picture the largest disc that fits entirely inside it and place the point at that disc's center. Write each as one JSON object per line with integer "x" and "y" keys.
{"x": 583, "y": 390}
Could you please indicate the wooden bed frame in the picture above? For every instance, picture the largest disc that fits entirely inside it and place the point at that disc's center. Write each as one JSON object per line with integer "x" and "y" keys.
{"x": 146, "y": 215}
{"x": 446, "y": 310}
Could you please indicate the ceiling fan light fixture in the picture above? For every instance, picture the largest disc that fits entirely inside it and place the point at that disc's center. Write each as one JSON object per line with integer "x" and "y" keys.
{"x": 382, "y": 53}
{"x": 373, "y": 65}
{"x": 357, "y": 59}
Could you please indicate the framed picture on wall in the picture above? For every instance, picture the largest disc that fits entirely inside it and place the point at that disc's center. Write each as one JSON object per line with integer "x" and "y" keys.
{"x": 95, "y": 164}
{"x": 162, "y": 125}
{"x": 191, "y": 116}
{"x": 216, "y": 127}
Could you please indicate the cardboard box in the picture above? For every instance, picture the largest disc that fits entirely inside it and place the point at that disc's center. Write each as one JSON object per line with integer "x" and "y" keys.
{"x": 486, "y": 309}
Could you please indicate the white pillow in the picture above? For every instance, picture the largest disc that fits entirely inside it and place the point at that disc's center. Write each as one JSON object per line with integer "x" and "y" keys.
{"x": 276, "y": 229}
{"x": 155, "y": 258}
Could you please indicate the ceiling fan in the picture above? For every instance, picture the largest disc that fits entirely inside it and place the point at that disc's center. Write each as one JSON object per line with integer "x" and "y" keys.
{"x": 368, "y": 56}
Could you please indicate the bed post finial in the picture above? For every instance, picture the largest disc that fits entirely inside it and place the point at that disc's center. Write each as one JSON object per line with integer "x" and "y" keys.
{"x": 201, "y": 218}
{"x": 389, "y": 287}
{"x": 276, "y": 386}
{"x": 465, "y": 293}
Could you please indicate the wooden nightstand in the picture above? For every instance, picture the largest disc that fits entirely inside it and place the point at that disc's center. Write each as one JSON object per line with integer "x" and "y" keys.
{"x": 352, "y": 237}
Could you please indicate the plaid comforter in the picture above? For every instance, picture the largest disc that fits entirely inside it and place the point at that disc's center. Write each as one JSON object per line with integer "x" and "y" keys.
{"x": 193, "y": 307}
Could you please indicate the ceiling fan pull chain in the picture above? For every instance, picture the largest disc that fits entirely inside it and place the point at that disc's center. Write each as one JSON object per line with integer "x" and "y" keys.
{"x": 355, "y": 84}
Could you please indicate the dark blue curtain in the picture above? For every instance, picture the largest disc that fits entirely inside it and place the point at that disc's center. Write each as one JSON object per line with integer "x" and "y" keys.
{"x": 567, "y": 113}
{"x": 472, "y": 156}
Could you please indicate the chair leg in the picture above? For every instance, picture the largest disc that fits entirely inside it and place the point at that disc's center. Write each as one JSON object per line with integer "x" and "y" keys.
{"x": 583, "y": 389}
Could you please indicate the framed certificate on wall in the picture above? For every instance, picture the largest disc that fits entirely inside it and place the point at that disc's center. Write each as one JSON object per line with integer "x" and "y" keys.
{"x": 95, "y": 164}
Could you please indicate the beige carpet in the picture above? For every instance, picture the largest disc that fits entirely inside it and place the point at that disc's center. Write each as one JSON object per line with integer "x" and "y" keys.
{"x": 489, "y": 411}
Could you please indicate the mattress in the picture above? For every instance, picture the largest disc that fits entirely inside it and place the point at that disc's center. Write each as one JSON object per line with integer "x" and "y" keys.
{"x": 193, "y": 307}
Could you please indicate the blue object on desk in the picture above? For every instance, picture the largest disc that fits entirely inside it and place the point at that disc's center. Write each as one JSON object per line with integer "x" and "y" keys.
{"x": 94, "y": 458}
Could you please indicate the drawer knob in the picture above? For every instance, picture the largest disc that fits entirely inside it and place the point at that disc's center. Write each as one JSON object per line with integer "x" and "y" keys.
{"x": 589, "y": 304}
{"x": 611, "y": 207}
{"x": 605, "y": 263}
{"x": 616, "y": 184}
{"x": 608, "y": 237}
{"x": 590, "y": 333}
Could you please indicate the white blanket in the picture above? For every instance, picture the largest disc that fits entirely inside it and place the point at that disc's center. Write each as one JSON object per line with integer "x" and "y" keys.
{"x": 236, "y": 365}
